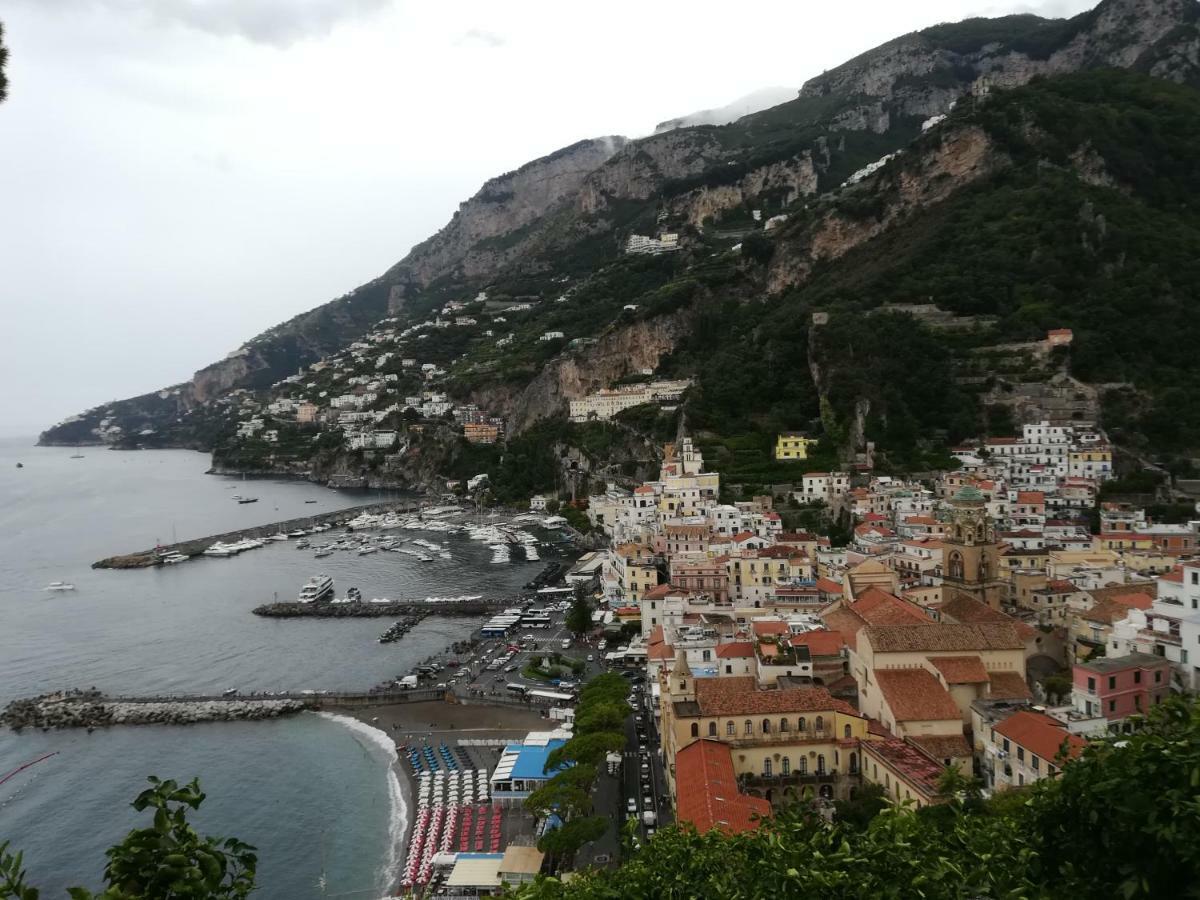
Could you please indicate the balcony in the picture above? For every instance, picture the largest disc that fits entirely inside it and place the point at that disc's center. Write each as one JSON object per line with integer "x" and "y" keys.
{"x": 792, "y": 778}
{"x": 758, "y": 739}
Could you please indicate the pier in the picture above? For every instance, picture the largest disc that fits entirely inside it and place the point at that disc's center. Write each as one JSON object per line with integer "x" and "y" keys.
{"x": 142, "y": 559}
{"x": 363, "y": 610}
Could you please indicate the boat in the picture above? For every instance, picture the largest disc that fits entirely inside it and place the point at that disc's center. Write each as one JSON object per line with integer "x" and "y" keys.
{"x": 76, "y": 456}
{"x": 170, "y": 559}
{"x": 277, "y": 536}
{"x": 316, "y": 588}
{"x": 320, "y": 554}
{"x": 302, "y": 544}
{"x": 248, "y": 500}
{"x": 220, "y": 549}
{"x": 298, "y": 533}
{"x": 60, "y": 586}
{"x": 363, "y": 551}
{"x": 20, "y": 465}
{"x": 310, "y": 501}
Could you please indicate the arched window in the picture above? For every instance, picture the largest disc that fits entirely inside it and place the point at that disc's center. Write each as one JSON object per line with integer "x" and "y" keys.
{"x": 712, "y": 729}
{"x": 800, "y": 725}
{"x": 853, "y": 763}
{"x": 955, "y": 566}
{"x": 695, "y": 730}
{"x": 783, "y": 725}
{"x": 749, "y": 727}
{"x": 730, "y": 728}
{"x": 821, "y": 764}
{"x": 846, "y": 730}
{"x": 766, "y": 726}
{"x": 767, "y": 767}
{"x": 819, "y": 723}
{"x": 785, "y": 766}
{"x": 803, "y": 767}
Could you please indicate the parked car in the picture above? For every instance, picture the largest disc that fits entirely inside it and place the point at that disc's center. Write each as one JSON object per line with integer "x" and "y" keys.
{"x": 631, "y": 805}
{"x": 591, "y": 657}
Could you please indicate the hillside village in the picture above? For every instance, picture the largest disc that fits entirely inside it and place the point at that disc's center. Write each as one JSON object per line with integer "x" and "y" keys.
{"x": 973, "y": 622}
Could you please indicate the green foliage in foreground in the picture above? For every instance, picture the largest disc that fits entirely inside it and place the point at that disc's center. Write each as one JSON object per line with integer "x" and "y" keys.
{"x": 1120, "y": 821}
{"x": 166, "y": 861}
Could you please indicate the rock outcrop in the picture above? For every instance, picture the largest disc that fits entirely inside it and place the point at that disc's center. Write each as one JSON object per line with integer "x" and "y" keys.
{"x": 90, "y": 709}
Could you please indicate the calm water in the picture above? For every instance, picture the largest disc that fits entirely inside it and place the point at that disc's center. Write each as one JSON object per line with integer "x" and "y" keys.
{"x": 313, "y": 793}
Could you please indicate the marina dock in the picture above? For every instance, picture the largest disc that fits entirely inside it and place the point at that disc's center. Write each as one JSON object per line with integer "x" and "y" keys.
{"x": 142, "y": 559}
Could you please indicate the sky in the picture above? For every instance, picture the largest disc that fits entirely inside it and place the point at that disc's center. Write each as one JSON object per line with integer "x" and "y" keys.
{"x": 178, "y": 175}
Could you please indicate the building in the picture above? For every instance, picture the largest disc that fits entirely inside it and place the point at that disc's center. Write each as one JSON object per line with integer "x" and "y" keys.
{"x": 522, "y": 766}
{"x": 607, "y": 403}
{"x": 970, "y": 550}
{"x": 481, "y": 432}
{"x": 708, "y": 792}
{"x": 789, "y": 446}
{"x": 1026, "y": 747}
{"x": 307, "y": 412}
{"x": 1119, "y": 687}
{"x": 905, "y": 772}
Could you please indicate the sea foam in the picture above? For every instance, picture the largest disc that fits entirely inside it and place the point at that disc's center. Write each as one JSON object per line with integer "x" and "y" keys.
{"x": 377, "y": 740}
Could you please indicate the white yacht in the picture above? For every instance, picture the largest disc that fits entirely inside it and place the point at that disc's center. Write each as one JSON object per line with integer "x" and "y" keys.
{"x": 171, "y": 559}
{"x": 316, "y": 588}
{"x": 60, "y": 586}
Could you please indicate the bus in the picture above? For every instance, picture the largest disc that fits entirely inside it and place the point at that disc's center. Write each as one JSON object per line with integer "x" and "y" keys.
{"x": 530, "y": 621}
{"x": 554, "y": 696}
{"x": 518, "y": 689}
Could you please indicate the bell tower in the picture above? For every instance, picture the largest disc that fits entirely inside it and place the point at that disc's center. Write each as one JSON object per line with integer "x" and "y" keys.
{"x": 970, "y": 550}
{"x": 681, "y": 683}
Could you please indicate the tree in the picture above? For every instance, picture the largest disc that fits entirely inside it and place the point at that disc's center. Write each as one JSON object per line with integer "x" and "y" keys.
{"x": 568, "y": 838}
{"x": 167, "y": 861}
{"x": 552, "y": 505}
{"x": 870, "y": 800}
{"x": 579, "y": 619}
{"x": 3, "y": 63}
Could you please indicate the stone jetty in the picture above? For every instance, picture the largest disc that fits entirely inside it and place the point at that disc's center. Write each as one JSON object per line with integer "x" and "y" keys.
{"x": 142, "y": 559}
{"x": 293, "y": 610}
{"x": 90, "y": 709}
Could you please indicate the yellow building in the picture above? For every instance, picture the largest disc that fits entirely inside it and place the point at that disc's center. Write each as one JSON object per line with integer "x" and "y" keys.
{"x": 630, "y": 571}
{"x": 793, "y": 446}
{"x": 782, "y": 739}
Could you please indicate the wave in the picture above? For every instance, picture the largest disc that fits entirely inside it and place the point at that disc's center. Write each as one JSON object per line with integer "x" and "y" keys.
{"x": 389, "y": 872}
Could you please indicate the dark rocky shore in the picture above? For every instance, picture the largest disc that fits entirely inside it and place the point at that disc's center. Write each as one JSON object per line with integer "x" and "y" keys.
{"x": 292, "y": 610}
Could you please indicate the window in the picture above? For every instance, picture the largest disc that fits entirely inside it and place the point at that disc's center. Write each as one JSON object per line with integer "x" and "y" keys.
{"x": 1006, "y": 747}
{"x": 1157, "y": 676}
{"x": 783, "y": 725}
{"x": 853, "y": 763}
{"x": 728, "y": 669}
{"x": 1183, "y": 657}
{"x": 801, "y": 724}
{"x": 846, "y": 731}
{"x": 1112, "y": 705}
{"x": 767, "y": 767}
{"x": 712, "y": 729}
{"x": 1034, "y": 762}
{"x": 1137, "y": 676}
{"x": 1112, "y": 682}
{"x": 766, "y": 726}
{"x": 1021, "y": 753}
{"x": 819, "y": 723}
{"x": 706, "y": 655}
{"x": 802, "y": 767}
{"x": 749, "y": 727}
{"x": 1091, "y": 685}
{"x": 695, "y": 730}
{"x": 785, "y": 766}
{"x": 730, "y": 729}
{"x": 821, "y": 764}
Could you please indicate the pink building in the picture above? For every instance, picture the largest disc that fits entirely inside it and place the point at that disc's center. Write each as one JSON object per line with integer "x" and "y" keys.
{"x": 1120, "y": 686}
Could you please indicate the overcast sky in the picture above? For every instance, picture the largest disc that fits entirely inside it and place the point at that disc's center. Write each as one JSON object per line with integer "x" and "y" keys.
{"x": 178, "y": 175}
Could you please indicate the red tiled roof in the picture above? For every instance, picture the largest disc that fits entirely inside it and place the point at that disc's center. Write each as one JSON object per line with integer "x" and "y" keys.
{"x": 707, "y": 790}
{"x": 921, "y": 638}
{"x": 845, "y": 622}
{"x": 661, "y": 650}
{"x": 740, "y": 696}
{"x": 643, "y": 489}
{"x": 960, "y": 669}
{"x": 743, "y": 536}
{"x": 912, "y": 764}
{"x": 943, "y": 746}
{"x": 915, "y": 695}
{"x": 1031, "y": 497}
{"x": 966, "y": 610}
{"x": 920, "y": 520}
{"x": 878, "y": 607}
{"x": 1008, "y": 686}
{"x": 735, "y": 650}
{"x": 657, "y": 635}
{"x": 820, "y": 643}
{"x": 1175, "y": 576}
{"x": 658, "y": 592}
{"x": 1061, "y": 586}
{"x": 1138, "y": 600}
{"x": 794, "y": 537}
{"x": 1040, "y": 734}
{"x": 828, "y": 585}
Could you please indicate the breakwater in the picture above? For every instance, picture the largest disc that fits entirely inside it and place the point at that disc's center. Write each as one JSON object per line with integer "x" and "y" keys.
{"x": 90, "y": 709}
{"x": 141, "y": 559}
{"x": 294, "y": 610}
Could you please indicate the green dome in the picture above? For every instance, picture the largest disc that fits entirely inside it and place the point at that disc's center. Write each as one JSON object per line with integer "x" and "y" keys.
{"x": 968, "y": 493}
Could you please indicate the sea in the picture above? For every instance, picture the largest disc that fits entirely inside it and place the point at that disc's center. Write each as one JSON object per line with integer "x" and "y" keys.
{"x": 315, "y": 793}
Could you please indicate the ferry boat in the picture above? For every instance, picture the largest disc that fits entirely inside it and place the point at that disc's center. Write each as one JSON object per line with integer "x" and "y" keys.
{"x": 316, "y": 588}
{"x": 60, "y": 586}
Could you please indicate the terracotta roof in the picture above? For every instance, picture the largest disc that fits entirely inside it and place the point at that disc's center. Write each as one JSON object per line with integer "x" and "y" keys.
{"x": 1138, "y": 600}
{"x": 1008, "y": 686}
{"x": 1061, "y": 586}
{"x": 658, "y": 592}
{"x": 1107, "y": 611}
{"x": 966, "y": 610}
{"x": 920, "y": 520}
{"x": 934, "y": 636}
{"x": 912, "y": 764}
{"x": 1149, "y": 588}
{"x": 1175, "y": 576}
{"x": 708, "y": 795}
{"x": 795, "y": 537}
{"x": 643, "y": 489}
{"x": 740, "y": 696}
{"x": 735, "y": 650}
{"x": 819, "y": 643}
{"x": 878, "y": 607}
{"x": 872, "y": 528}
{"x": 960, "y": 669}
{"x": 915, "y": 695}
{"x": 828, "y": 586}
{"x": 1040, "y": 734}
{"x": 661, "y": 650}
{"x": 743, "y": 536}
{"x": 845, "y": 622}
{"x": 943, "y": 746}
{"x": 1031, "y": 497}
{"x": 657, "y": 635}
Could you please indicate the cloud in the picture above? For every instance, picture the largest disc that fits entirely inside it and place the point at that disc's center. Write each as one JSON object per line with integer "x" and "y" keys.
{"x": 481, "y": 38}
{"x": 278, "y": 23}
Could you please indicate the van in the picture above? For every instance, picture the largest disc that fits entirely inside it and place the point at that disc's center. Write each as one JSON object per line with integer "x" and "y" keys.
{"x": 566, "y": 643}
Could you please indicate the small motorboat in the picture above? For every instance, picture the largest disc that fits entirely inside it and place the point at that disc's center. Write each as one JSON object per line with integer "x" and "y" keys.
{"x": 248, "y": 500}
{"x": 60, "y": 586}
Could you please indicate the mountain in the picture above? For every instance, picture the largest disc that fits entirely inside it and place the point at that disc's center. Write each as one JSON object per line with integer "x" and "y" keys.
{"x": 764, "y": 98}
{"x": 934, "y": 206}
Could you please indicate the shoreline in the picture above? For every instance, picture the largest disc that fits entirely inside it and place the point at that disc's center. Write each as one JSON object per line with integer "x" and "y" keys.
{"x": 433, "y": 720}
